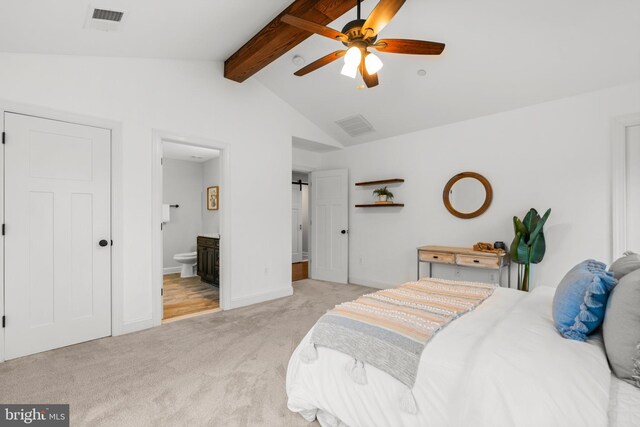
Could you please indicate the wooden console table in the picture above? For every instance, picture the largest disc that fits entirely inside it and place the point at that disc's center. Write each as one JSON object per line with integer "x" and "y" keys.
{"x": 465, "y": 257}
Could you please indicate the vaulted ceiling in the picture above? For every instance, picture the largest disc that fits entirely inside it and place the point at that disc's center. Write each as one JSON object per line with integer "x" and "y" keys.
{"x": 500, "y": 54}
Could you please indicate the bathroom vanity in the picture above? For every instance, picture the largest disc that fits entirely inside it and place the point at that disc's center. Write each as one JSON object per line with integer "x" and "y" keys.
{"x": 209, "y": 259}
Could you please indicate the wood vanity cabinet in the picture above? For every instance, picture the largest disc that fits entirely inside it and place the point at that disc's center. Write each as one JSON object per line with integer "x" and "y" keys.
{"x": 209, "y": 260}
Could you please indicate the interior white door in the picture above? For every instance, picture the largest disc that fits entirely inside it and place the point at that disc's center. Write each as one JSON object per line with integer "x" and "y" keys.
{"x": 58, "y": 234}
{"x": 330, "y": 225}
{"x": 296, "y": 224}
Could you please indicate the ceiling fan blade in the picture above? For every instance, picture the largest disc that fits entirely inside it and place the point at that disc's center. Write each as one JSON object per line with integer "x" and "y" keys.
{"x": 328, "y": 59}
{"x": 380, "y": 17}
{"x": 371, "y": 80}
{"x": 312, "y": 27}
{"x": 411, "y": 47}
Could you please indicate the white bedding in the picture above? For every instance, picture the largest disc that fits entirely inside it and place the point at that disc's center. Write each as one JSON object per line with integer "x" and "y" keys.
{"x": 503, "y": 364}
{"x": 624, "y": 404}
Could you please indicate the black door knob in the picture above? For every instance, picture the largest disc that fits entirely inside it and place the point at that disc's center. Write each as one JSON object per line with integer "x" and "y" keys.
{"x": 103, "y": 243}
{"x": 343, "y": 232}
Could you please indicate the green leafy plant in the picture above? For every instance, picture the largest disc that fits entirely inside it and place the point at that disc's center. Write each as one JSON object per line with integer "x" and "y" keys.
{"x": 528, "y": 246}
{"x": 383, "y": 192}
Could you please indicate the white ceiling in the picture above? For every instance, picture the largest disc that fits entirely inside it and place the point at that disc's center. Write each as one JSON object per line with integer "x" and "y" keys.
{"x": 182, "y": 29}
{"x": 500, "y": 55}
{"x": 190, "y": 153}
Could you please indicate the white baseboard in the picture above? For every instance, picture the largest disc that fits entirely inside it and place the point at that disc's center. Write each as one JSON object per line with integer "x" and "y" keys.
{"x": 371, "y": 284}
{"x": 262, "y": 297}
{"x": 134, "y": 326}
{"x": 171, "y": 270}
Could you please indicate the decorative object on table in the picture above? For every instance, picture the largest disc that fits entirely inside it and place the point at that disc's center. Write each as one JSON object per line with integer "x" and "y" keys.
{"x": 487, "y": 247}
{"x": 528, "y": 246}
{"x": 213, "y": 194}
{"x": 500, "y": 245}
{"x": 581, "y": 298}
{"x": 621, "y": 328}
{"x": 384, "y": 196}
{"x": 467, "y": 195}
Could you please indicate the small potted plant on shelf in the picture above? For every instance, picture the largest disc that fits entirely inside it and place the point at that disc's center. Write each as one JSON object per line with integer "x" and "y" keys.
{"x": 383, "y": 195}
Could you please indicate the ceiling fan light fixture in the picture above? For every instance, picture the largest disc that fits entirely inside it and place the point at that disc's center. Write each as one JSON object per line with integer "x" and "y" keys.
{"x": 353, "y": 57}
{"x": 373, "y": 63}
{"x": 349, "y": 70}
{"x": 359, "y": 36}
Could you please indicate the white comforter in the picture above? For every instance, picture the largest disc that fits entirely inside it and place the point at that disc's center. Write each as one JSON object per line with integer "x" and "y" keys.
{"x": 503, "y": 364}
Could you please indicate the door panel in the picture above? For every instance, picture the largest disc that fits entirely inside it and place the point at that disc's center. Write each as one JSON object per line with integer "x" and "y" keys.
{"x": 296, "y": 224}
{"x": 81, "y": 245}
{"x": 57, "y": 209}
{"x": 329, "y": 218}
{"x": 296, "y": 236}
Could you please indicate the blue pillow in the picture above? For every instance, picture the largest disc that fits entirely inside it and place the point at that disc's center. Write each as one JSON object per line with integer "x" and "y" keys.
{"x": 581, "y": 299}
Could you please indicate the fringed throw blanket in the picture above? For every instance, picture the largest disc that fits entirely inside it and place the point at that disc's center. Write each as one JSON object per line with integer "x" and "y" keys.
{"x": 389, "y": 329}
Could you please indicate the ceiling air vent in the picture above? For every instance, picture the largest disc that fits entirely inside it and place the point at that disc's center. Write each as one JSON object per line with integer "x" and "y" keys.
{"x": 107, "y": 15}
{"x": 355, "y": 126}
{"x": 104, "y": 19}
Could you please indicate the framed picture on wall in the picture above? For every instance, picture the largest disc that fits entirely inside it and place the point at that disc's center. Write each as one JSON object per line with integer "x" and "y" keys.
{"x": 212, "y": 198}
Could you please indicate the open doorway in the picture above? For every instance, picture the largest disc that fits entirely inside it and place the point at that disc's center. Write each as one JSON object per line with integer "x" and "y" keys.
{"x": 191, "y": 178}
{"x": 300, "y": 226}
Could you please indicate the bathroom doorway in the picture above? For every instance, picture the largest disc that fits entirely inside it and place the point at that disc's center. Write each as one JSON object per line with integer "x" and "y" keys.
{"x": 300, "y": 226}
{"x": 190, "y": 206}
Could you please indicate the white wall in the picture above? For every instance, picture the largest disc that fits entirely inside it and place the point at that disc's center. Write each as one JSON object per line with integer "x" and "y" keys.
{"x": 210, "y": 178}
{"x": 633, "y": 187}
{"x": 304, "y": 160}
{"x": 305, "y": 208}
{"x": 181, "y": 185}
{"x": 191, "y": 99}
{"x": 552, "y": 155}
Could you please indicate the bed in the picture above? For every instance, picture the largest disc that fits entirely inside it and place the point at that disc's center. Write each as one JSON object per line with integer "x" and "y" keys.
{"x": 502, "y": 364}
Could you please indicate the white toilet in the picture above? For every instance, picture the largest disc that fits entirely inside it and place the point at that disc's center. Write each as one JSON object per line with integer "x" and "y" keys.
{"x": 188, "y": 261}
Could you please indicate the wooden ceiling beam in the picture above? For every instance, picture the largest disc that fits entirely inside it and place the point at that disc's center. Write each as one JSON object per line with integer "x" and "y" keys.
{"x": 277, "y": 38}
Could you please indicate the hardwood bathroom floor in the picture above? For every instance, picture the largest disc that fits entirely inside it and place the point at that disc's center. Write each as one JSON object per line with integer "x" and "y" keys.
{"x": 300, "y": 270}
{"x": 183, "y": 297}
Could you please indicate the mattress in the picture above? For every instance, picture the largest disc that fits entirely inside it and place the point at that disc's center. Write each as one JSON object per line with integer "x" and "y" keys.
{"x": 503, "y": 364}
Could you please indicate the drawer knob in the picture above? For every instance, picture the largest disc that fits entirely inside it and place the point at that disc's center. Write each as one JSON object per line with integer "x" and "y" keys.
{"x": 435, "y": 257}
{"x": 476, "y": 261}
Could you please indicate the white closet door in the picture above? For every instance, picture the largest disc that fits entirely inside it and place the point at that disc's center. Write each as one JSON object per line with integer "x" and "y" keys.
{"x": 330, "y": 225}
{"x": 58, "y": 234}
{"x": 296, "y": 224}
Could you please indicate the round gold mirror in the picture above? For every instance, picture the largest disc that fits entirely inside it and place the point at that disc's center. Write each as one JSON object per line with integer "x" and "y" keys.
{"x": 467, "y": 195}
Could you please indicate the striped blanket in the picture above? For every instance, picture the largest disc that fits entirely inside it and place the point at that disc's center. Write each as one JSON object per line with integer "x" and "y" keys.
{"x": 389, "y": 329}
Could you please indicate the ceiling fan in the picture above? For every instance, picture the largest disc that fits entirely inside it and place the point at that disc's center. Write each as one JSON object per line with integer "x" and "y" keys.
{"x": 359, "y": 36}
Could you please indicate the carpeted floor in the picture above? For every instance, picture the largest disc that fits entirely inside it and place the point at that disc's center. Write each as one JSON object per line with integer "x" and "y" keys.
{"x": 220, "y": 369}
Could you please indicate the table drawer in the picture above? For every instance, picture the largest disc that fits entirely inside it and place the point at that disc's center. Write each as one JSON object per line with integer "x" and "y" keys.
{"x": 437, "y": 257}
{"x": 477, "y": 261}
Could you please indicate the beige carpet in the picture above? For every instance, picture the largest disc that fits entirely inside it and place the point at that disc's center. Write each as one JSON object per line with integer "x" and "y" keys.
{"x": 221, "y": 369}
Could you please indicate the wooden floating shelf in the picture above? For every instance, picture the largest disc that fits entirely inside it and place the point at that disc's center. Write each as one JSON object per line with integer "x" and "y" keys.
{"x": 382, "y": 181}
{"x": 381, "y": 205}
